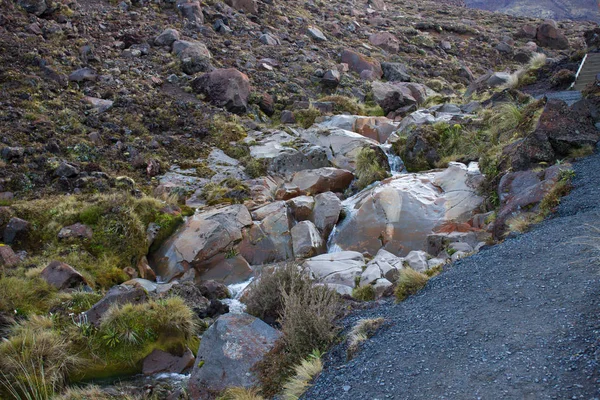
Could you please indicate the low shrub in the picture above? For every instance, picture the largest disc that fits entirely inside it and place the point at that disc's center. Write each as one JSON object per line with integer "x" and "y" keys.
{"x": 306, "y": 118}
{"x": 369, "y": 168}
{"x": 362, "y": 330}
{"x": 409, "y": 283}
{"x": 343, "y": 104}
{"x": 364, "y": 293}
{"x": 264, "y": 298}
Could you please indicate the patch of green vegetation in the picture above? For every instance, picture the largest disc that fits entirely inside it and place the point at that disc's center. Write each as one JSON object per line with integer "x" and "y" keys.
{"x": 306, "y": 118}
{"x": 364, "y": 293}
{"x": 255, "y": 168}
{"x": 21, "y": 295}
{"x": 224, "y": 132}
{"x": 343, "y": 104}
{"x": 228, "y": 191}
{"x": 369, "y": 168}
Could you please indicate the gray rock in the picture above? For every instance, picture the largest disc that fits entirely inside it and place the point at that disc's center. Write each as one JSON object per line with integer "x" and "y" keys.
{"x": 167, "y": 37}
{"x": 13, "y": 153}
{"x": 269, "y": 39}
{"x": 395, "y": 72}
{"x": 331, "y": 78}
{"x": 36, "y": 7}
{"x": 62, "y": 276}
{"x": 160, "y": 361}
{"x": 16, "y": 230}
{"x": 306, "y": 240}
{"x": 342, "y": 268}
{"x": 65, "y": 170}
{"x": 228, "y": 351}
{"x": 417, "y": 260}
{"x": 316, "y": 34}
{"x": 191, "y": 11}
{"x": 301, "y": 207}
{"x": 83, "y": 74}
{"x": 121, "y": 294}
{"x": 326, "y": 212}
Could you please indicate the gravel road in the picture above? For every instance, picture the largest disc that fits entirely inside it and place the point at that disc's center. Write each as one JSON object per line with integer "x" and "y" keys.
{"x": 520, "y": 320}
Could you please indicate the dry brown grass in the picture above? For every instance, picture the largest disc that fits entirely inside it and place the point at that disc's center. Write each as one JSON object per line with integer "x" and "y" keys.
{"x": 240, "y": 393}
{"x": 305, "y": 372}
{"x": 409, "y": 283}
{"x": 362, "y": 330}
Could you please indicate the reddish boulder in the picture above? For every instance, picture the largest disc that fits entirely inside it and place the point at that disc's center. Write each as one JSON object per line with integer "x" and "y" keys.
{"x": 190, "y": 10}
{"x": 228, "y": 88}
{"x": 328, "y": 179}
{"x": 359, "y": 64}
{"x": 526, "y": 32}
{"x": 549, "y": 36}
{"x": 247, "y": 6}
{"x": 386, "y": 41}
{"x": 62, "y": 276}
{"x": 8, "y": 258}
{"x": 161, "y": 361}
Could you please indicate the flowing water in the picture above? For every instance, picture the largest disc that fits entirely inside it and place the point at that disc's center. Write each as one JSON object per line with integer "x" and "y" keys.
{"x": 236, "y": 291}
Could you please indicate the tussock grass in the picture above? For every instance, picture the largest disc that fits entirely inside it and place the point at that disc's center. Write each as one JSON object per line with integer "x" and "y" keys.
{"x": 519, "y": 223}
{"x": 304, "y": 373}
{"x": 91, "y": 392}
{"x": 343, "y": 104}
{"x": 537, "y": 61}
{"x": 362, "y": 331}
{"x": 36, "y": 360}
{"x": 369, "y": 168}
{"x": 409, "y": 283}
{"x": 239, "y": 393}
{"x": 364, "y": 293}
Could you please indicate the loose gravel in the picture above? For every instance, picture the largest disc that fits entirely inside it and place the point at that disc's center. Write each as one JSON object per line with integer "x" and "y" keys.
{"x": 520, "y": 320}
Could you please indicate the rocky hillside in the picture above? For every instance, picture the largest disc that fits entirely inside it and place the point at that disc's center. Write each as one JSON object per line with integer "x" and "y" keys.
{"x": 167, "y": 165}
{"x": 580, "y": 10}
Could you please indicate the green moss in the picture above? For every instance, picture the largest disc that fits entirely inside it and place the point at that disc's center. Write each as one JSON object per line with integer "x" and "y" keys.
{"x": 168, "y": 225}
{"x": 369, "y": 168}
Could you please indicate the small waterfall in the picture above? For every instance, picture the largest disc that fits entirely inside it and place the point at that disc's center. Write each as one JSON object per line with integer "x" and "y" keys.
{"x": 349, "y": 208}
{"x": 236, "y": 291}
{"x": 395, "y": 162}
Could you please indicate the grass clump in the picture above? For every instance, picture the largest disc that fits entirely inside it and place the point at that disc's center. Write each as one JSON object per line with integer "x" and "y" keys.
{"x": 91, "y": 392}
{"x": 409, "y": 283}
{"x": 364, "y": 293}
{"x": 306, "y": 118}
{"x": 343, "y": 104}
{"x": 23, "y": 296}
{"x": 369, "y": 168}
{"x": 224, "y": 132}
{"x": 304, "y": 373}
{"x": 228, "y": 191}
{"x": 240, "y": 393}
{"x": 362, "y": 330}
{"x": 36, "y": 360}
{"x": 307, "y": 320}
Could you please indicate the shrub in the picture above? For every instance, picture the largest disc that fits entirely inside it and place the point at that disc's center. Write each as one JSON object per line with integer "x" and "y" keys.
{"x": 304, "y": 373}
{"x": 35, "y": 360}
{"x": 364, "y": 293}
{"x": 265, "y": 297}
{"x": 306, "y": 118}
{"x": 409, "y": 283}
{"x": 343, "y": 104}
{"x": 362, "y": 330}
{"x": 369, "y": 168}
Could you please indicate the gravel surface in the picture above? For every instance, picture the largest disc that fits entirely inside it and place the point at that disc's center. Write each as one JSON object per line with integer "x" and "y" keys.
{"x": 519, "y": 320}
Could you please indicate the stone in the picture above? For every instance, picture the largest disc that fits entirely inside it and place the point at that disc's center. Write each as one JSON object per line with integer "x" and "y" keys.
{"x": 382, "y": 287}
{"x": 417, "y": 260}
{"x": 460, "y": 246}
{"x": 160, "y": 361}
{"x": 503, "y": 47}
{"x": 395, "y": 72}
{"x": 228, "y": 88}
{"x": 399, "y": 214}
{"x": 228, "y": 351}
{"x": 226, "y": 268}
{"x": 269, "y": 239}
{"x": 269, "y": 39}
{"x": 213, "y": 290}
{"x": 16, "y": 230}
{"x": 98, "y": 105}
{"x": 186, "y": 49}
{"x": 306, "y": 240}
{"x": 8, "y": 258}
{"x": 191, "y": 11}
{"x": 331, "y": 78}
{"x": 378, "y": 5}
{"x": 341, "y": 268}
{"x": 359, "y": 64}
{"x": 383, "y": 265}
{"x": 75, "y": 231}
{"x": 144, "y": 269}
{"x": 548, "y": 35}
{"x": 36, "y": 7}
{"x": 247, "y": 6}
{"x": 167, "y": 37}
{"x": 386, "y": 41}
{"x": 527, "y": 32}
{"x": 13, "y": 153}
{"x": 83, "y": 75}
{"x": 316, "y": 34}
{"x": 203, "y": 236}
{"x": 438, "y": 242}
{"x": 301, "y": 207}
{"x": 394, "y": 95}
{"x": 328, "y": 179}
{"x": 66, "y": 170}
{"x": 62, "y": 276}
{"x": 119, "y": 295}
{"x": 326, "y": 212}
{"x": 287, "y": 117}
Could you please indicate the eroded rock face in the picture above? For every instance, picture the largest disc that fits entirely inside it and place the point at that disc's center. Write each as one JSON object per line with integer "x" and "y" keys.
{"x": 399, "y": 214}
{"x": 306, "y": 240}
{"x": 228, "y": 88}
{"x": 202, "y": 237}
{"x": 228, "y": 351}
